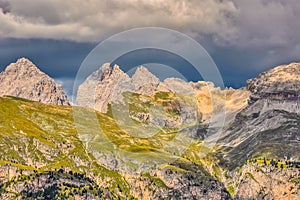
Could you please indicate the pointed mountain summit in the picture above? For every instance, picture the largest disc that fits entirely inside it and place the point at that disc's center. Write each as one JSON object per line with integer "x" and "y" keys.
{"x": 103, "y": 84}
{"x": 144, "y": 81}
{"x": 108, "y": 83}
{"x": 143, "y": 75}
{"x": 23, "y": 79}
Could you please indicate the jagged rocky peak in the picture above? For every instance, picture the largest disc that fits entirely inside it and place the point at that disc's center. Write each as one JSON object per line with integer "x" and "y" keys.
{"x": 22, "y": 65}
{"x": 108, "y": 83}
{"x": 102, "y": 87}
{"x": 282, "y": 82}
{"x": 23, "y": 79}
{"x": 142, "y": 74}
{"x": 106, "y": 71}
{"x": 144, "y": 82}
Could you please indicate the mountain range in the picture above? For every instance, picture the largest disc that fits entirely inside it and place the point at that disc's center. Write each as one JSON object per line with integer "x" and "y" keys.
{"x": 102, "y": 147}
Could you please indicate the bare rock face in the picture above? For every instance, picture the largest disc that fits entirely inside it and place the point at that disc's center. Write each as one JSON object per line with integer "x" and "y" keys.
{"x": 108, "y": 83}
{"x": 267, "y": 182}
{"x": 23, "y": 79}
{"x": 144, "y": 82}
{"x": 281, "y": 83}
{"x": 104, "y": 86}
{"x": 270, "y": 121}
{"x": 277, "y": 89}
{"x": 177, "y": 85}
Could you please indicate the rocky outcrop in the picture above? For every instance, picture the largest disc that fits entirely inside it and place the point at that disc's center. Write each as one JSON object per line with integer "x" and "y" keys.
{"x": 176, "y": 183}
{"x": 144, "y": 82}
{"x": 267, "y": 182}
{"x": 23, "y": 79}
{"x": 103, "y": 87}
{"x": 108, "y": 83}
{"x": 280, "y": 83}
{"x": 269, "y": 124}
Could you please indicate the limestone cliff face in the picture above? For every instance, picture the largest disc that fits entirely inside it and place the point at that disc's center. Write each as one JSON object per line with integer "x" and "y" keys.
{"x": 282, "y": 81}
{"x": 269, "y": 124}
{"x": 107, "y": 84}
{"x": 23, "y": 79}
{"x": 144, "y": 82}
{"x": 103, "y": 87}
{"x": 277, "y": 89}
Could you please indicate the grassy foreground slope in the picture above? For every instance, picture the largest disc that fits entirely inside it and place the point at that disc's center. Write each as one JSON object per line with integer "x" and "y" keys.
{"x": 36, "y": 138}
{"x": 43, "y": 155}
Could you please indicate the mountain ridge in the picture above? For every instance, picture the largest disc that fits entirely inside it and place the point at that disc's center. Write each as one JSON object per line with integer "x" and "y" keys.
{"x": 41, "y": 141}
{"x": 109, "y": 90}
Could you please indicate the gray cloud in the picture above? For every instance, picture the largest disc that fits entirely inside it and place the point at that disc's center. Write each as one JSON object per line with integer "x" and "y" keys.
{"x": 94, "y": 20}
{"x": 5, "y": 7}
{"x": 264, "y": 22}
{"x": 228, "y": 22}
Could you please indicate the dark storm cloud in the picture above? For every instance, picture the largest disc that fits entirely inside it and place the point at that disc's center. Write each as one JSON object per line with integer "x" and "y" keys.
{"x": 54, "y": 57}
{"x": 265, "y": 22}
{"x": 5, "y": 7}
{"x": 143, "y": 56}
{"x": 231, "y": 22}
{"x": 59, "y": 59}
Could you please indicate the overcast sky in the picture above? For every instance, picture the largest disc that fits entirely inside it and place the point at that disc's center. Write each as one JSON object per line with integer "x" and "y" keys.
{"x": 243, "y": 37}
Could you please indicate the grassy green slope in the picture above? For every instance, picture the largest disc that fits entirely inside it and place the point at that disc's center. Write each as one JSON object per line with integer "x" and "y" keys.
{"x": 38, "y": 137}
